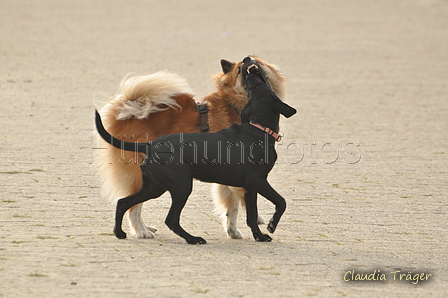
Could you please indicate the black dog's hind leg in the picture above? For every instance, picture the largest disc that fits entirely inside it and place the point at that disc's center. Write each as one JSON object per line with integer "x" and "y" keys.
{"x": 146, "y": 192}
{"x": 252, "y": 216}
{"x": 179, "y": 197}
{"x": 266, "y": 190}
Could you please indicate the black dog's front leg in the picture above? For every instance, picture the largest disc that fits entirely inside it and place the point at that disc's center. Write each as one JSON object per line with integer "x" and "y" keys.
{"x": 252, "y": 216}
{"x": 269, "y": 193}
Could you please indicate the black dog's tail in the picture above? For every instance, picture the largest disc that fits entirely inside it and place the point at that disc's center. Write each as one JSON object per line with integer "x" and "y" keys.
{"x": 128, "y": 146}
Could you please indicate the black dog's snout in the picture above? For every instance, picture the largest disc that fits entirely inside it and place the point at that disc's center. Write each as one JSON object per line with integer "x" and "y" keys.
{"x": 247, "y": 60}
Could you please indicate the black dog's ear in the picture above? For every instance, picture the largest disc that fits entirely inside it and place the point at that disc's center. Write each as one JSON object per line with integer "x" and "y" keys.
{"x": 285, "y": 109}
{"x": 226, "y": 66}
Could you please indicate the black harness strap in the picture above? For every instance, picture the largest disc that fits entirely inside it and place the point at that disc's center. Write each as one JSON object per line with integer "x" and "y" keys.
{"x": 203, "y": 110}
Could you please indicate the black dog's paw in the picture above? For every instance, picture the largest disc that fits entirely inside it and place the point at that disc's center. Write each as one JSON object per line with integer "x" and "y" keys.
{"x": 271, "y": 227}
{"x": 262, "y": 238}
{"x": 196, "y": 240}
{"x": 120, "y": 234}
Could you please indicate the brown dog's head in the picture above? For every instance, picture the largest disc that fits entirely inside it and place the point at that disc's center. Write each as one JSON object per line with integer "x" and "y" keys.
{"x": 231, "y": 83}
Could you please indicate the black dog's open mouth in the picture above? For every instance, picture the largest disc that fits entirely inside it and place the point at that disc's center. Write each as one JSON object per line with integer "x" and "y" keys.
{"x": 252, "y": 66}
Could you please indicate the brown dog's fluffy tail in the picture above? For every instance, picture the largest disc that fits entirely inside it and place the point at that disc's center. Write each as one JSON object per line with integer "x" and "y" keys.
{"x": 142, "y": 101}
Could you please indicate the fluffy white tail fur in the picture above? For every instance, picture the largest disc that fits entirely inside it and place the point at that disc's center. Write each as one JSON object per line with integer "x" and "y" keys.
{"x": 143, "y": 95}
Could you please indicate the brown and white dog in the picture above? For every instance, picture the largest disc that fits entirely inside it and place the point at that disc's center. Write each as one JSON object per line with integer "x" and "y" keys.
{"x": 163, "y": 103}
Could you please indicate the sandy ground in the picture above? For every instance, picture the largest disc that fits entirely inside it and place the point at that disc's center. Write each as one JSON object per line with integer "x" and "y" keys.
{"x": 363, "y": 164}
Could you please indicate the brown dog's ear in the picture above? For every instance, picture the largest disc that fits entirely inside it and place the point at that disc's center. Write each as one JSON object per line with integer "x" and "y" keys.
{"x": 285, "y": 109}
{"x": 226, "y": 66}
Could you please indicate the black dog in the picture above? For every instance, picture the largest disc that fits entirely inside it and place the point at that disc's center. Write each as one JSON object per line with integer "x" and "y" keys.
{"x": 240, "y": 156}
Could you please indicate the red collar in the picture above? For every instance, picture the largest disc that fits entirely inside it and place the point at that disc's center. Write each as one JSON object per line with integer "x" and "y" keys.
{"x": 276, "y": 136}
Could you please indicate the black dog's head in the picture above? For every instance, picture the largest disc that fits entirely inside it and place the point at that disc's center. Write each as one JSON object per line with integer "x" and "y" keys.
{"x": 251, "y": 66}
{"x": 263, "y": 106}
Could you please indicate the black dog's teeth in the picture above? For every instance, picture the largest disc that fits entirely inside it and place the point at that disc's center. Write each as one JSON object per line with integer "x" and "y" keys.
{"x": 253, "y": 69}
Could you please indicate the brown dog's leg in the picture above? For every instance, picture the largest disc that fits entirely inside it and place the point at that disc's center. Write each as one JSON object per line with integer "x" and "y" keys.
{"x": 137, "y": 226}
{"x": 227, "y": 201}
